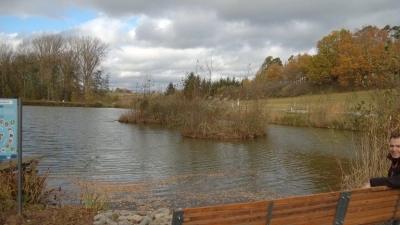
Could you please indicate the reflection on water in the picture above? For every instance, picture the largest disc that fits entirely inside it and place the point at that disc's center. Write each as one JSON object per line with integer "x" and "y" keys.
{"x": 289, "y": 161}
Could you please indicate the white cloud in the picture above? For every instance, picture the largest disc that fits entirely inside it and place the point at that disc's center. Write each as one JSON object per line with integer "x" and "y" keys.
{"x": 166, "y": 39}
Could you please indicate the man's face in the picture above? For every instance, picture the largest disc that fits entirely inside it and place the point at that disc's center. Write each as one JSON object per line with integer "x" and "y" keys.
{"x": 394, "y": 147}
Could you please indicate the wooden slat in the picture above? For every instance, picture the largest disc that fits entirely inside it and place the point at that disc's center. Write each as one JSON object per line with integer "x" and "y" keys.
{"x": 369, "y": 219}
{"x": 377, "y": 194}
{"x": 306, "y": 203}
{"x": 227, "y": 207}
{"x": 224, "y": 214}
{"x": 315, "y": 218}
{"x": 306, "y": 211}
{"x": 369, "y": 201}
{"x": 306, "y": 198}
{"x": 305, "y": 221}
{"x": 363, "y": 208}
{"x": 374, "y": 212}
{"x": 254, "y": 218}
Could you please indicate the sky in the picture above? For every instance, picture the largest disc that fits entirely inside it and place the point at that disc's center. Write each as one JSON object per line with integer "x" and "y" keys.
{"x": 163, "y": 40}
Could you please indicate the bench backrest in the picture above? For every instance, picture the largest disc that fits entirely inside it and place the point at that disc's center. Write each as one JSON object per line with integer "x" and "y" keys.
{"x": 361, "y": 206}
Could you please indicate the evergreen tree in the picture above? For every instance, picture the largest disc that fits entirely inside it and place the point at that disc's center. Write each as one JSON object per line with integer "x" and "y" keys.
{"x": 170, "y": 89}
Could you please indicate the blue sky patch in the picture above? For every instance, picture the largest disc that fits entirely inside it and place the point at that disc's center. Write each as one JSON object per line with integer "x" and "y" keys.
{"x": 73, "y": 17}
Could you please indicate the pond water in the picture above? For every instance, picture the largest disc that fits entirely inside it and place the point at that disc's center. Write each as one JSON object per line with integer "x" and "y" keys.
{"x": 139, "y": 165}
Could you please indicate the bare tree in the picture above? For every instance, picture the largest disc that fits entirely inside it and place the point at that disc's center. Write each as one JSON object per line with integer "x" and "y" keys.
{"x": 148, "y": 83}
{"x": 6, "y": 53}
{"x": 91, "y": 52}
{"x": 48, "y": 49}
{"x": 69, "y": 67}
{"x": 24, "y": 62}
{"x": 211, "y": 67}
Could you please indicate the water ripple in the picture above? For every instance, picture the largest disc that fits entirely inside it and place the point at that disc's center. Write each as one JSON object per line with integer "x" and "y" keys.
{"x": 289, "y": 161}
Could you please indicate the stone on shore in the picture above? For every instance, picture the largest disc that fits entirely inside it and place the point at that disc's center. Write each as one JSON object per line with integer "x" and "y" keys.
{"x": 162, "y": 216}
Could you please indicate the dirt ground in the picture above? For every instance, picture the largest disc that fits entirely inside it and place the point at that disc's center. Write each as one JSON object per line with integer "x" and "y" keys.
{"x": 39, "y": 215}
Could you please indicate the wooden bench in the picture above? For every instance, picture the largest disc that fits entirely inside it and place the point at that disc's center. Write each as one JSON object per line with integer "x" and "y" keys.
{"x": 361, "y": 206}
{"x": 5, "y": 165}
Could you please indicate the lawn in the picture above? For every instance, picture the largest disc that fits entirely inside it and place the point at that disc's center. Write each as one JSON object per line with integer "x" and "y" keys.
{"x": 301, "y": 101}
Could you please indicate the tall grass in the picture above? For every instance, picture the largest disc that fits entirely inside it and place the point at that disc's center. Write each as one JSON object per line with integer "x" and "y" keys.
{"x": 90, "y": 198}
{"x": 33, "y": 187}
{"x": 322, "y": 113}
{"x": 200, "y": 118}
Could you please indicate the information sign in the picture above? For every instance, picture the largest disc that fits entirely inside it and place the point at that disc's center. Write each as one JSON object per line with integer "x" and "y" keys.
{"x": 8, "y": 128}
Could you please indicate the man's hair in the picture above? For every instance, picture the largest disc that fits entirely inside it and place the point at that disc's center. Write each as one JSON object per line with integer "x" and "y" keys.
{"x": 394, "y": 136}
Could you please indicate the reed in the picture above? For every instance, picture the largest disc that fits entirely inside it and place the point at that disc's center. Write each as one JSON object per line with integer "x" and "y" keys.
{"x": 200, "y": 118}
{"x": 34, "y": 187}
{"x": 376, "y": 124}
{"x": 91, "y": 198}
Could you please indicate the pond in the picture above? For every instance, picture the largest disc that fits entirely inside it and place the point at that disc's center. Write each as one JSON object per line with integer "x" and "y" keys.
{"x": 138, "y": 165}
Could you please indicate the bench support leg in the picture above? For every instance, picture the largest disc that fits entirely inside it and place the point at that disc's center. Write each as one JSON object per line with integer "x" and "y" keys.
{"x": 177, "y": 217}
{"x": 396, "y": 222}
{"x": 341, "y": 209}
{"x": 271, "y": 206}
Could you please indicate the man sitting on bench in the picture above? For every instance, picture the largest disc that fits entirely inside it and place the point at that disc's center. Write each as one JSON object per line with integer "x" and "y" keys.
{"x": 393, "y": 179}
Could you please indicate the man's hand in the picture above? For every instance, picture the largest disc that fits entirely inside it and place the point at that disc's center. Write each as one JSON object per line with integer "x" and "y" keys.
{"x": 367, "y": 185}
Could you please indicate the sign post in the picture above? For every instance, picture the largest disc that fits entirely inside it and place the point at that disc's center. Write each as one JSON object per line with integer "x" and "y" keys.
{"x": 10, "y": 137}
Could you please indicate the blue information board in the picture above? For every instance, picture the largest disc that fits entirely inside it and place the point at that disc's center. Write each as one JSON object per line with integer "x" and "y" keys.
{"x": 8, "y": 128}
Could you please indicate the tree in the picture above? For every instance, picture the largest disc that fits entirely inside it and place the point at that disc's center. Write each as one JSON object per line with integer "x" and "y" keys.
{"x": 69, "y": 70}
{"x": 100, "y": 84}
{"x": 364, "y": 59}
{"x": 296, "y": 68}
{"x": 191, "y": 86}
{"x": 318, "y": 69}
{"x": 262, "y": 73}
{"x": 269, "y": 61}
{"x": 90, "y": 53}
{"x": 321, "y": 65}
{"x": 211, "y": 67}
{"x": 6, "y": 57}
{"x": 26, "y": 71}
{"x": 148, "y": 83}
{"x": 170, "y": 89}
{"x": 274, "y": 73}
{"x": 394, "y": 32}
{"x": 48, "y": 49}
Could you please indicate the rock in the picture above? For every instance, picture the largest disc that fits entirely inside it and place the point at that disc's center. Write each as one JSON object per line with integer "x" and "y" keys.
{"x": 161, "y": 210}
{"x": 160, "y": 216}
{"x": 140, "y": 213}
{"x": 125, "y": 222}
{"x": 100, "y": 218}
{"x": 146, "y": 221}
{"x": 111, "y": 222}
{"x": 135, "y": 218}
{"x": 123, "y": 212}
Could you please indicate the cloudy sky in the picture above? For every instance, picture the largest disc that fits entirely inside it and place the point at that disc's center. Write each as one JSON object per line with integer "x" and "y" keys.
{"x": 165, "y": 39}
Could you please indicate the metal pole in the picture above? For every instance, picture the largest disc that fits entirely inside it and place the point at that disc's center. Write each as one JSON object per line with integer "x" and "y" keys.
{"x": 19, "y": 157}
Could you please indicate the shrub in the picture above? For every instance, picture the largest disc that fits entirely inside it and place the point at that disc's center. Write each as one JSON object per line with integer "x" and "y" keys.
{"x": 33, "y": 187}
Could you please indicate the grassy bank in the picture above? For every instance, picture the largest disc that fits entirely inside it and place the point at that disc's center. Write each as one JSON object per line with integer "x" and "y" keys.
{"x": 333, "y": 111}
{"x": 42, "y": 204}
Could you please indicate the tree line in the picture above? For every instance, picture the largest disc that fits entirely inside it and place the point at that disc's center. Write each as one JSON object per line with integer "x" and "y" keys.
{"x": 368, "y": 57}
{"x": 53, "y": 68}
